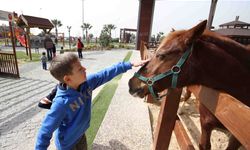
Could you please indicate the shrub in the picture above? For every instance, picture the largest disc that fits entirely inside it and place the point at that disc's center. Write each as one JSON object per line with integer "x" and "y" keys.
{"x": 115, "y": 40}
{"x": 104, "y": 39}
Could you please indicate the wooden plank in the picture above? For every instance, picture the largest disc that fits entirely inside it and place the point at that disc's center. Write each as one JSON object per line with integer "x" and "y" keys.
{"x": 182, "y": 137}
{"x": 166, "y": 119}
{"x": 234, "y": 115}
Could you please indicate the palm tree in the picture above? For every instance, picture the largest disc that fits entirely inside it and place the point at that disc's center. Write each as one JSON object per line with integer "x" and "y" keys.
{"x": 86, "y": 27}
{"x": 108, "y": 28}
{"x": 57, "y": 24}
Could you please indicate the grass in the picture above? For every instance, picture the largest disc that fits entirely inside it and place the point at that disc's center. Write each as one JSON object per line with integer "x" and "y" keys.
{"x": 22, "y": 57}
{"x": 100, "y": 105}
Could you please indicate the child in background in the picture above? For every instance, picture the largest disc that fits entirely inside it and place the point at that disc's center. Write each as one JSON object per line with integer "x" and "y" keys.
{"x": 44, "y": 61}
{"x": 70, "y": 111}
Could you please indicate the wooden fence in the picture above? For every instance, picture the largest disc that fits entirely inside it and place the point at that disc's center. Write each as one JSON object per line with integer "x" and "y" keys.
{"x": 8, "y": 65}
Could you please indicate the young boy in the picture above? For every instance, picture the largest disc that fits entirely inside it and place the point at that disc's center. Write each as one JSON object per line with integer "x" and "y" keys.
{"x": 69, "y": 114}
{"x": 44, "y": 60}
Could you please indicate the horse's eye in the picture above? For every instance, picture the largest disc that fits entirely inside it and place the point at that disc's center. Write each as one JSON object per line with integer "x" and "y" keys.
{"x": 160, "y": 56}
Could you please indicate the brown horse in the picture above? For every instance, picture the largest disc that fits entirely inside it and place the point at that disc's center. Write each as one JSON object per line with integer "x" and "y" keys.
{"x": 197, "y": 57}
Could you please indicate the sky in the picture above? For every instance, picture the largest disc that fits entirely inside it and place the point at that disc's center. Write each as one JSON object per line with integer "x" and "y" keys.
{"x": 168, "y": 14}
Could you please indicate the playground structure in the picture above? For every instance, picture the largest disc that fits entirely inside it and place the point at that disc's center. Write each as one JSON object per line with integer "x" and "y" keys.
{"x": 26, "y": 22}
{"x": 20, "y": 36}
{"x": 21, "y": 32}
{"x": 8, "y": 61}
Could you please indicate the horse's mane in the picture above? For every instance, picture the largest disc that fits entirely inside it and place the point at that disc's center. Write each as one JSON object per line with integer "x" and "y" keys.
{"x": 235, "y": 49}
{"x": 171, "y": 35}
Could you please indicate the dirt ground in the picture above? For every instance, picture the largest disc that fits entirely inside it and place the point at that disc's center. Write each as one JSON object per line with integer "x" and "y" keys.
{"x": 190, "y": 119}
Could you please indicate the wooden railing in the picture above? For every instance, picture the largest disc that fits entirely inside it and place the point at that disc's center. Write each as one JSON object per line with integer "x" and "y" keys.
{"x": 8, "y": 65}
{"x": 234, "y": 115}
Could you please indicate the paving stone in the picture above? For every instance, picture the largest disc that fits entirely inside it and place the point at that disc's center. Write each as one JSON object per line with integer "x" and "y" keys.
{"x": 126, "y": 125}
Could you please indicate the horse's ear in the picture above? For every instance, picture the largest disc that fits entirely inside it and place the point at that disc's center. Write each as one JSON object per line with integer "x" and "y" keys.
{"x": 172, "y": 30}
{"x": 195, "y": 32}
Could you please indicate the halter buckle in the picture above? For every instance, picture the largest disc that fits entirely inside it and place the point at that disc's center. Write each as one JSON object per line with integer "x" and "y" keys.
{"x": 150, "y": 82}
{"x": 176, "y": 69}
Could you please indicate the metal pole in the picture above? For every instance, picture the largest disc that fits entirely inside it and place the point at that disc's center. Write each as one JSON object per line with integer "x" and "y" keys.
{"x": 69, "y": 27}
{"x": 211, "y": 14}
{"x": 82, "y": 19}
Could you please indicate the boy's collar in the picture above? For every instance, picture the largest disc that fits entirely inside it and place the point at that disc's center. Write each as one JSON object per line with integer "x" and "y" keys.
{"x": 64, "y": 86}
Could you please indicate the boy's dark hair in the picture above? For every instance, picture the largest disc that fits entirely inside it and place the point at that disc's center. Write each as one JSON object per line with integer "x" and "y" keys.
{"x": 43, "y": 53}
{"x": 62, "y": 65}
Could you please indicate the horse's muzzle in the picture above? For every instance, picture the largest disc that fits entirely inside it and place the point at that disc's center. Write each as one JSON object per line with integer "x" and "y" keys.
{"x": 134, "y": 90}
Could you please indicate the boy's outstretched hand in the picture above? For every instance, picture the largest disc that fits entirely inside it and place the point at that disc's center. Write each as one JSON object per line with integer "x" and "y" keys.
{"x": 139, "y": 63}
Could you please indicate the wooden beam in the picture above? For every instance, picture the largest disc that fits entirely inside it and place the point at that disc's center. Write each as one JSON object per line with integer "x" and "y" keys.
{"x": 145, "y": 19}
{"x": 182, "y": 137}
{"x": 14, "y": 48}
{"x": 166, "y": 119}
{"x": 28, "y": 39}
{"x": 234, "y": 115}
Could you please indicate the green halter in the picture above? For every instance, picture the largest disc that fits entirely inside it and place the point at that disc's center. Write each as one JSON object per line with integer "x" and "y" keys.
{"x": 175, "y": 70}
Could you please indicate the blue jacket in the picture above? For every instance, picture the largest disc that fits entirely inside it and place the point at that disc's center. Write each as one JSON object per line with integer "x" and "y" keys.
{"x": 70, "y": 112}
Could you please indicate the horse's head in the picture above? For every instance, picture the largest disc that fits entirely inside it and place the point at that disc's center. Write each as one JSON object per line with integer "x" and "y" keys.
{"x": 165, "y": 69}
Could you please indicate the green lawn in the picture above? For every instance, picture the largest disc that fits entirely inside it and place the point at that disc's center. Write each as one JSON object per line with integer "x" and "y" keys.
{"x": 22, "y": 57}
{"x": 101, "y": 104}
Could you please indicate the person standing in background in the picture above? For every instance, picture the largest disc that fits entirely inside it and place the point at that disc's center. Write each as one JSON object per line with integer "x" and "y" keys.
{"x": 48, "y": 45}
{"x": 54, "y": 50}
{"x": 80, "y": 46}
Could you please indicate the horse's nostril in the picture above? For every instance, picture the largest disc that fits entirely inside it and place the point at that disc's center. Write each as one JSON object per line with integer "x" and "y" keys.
{"x": 131, "y": 92}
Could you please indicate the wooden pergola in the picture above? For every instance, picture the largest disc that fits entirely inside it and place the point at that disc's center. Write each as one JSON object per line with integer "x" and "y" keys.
{"x": 27, "y": 22}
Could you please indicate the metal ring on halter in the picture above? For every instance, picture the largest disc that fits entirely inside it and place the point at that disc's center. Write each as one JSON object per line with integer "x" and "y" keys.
{"x": 176, "y": 69}
{"x": 150, "y": 82}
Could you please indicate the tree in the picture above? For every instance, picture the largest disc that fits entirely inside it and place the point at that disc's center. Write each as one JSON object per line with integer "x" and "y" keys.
{"x": 108, "y": 28}
{"x": 104, "y": 38}
{"x": 91, "y": 36}
{"x": 57, "y": 24}
{"x": 86, "y": 27}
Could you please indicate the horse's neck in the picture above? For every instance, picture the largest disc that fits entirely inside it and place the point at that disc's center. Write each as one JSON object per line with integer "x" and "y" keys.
{"x": 219, "y": 70}
{"x": 240, "y": 52}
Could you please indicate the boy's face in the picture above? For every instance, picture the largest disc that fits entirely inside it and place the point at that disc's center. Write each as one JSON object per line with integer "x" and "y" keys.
{"x": 77, "y": 77}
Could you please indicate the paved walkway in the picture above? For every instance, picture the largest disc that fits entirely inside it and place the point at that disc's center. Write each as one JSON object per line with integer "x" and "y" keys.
{"x": 126, "y": 125}
{"x": 20, "y": 117}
